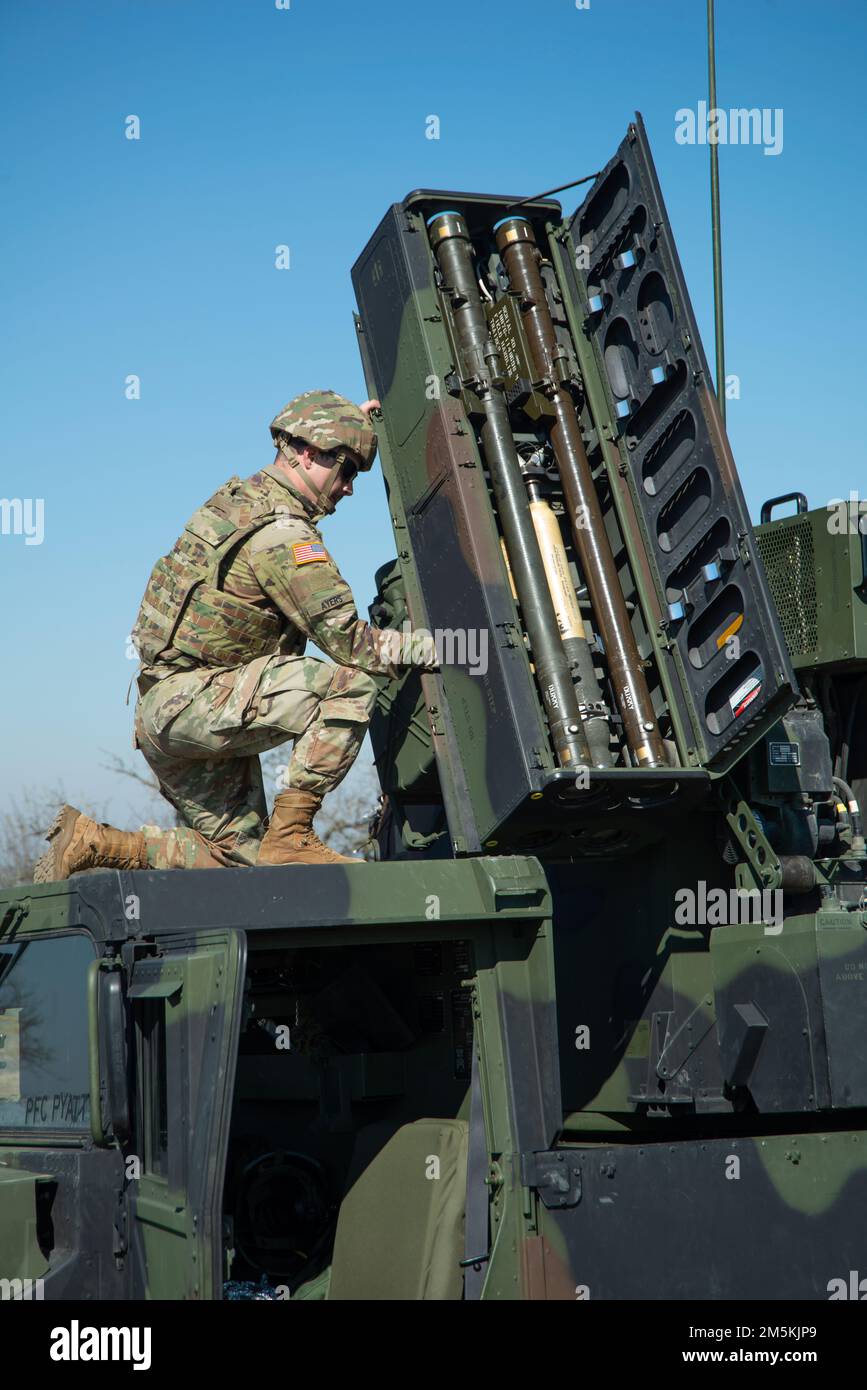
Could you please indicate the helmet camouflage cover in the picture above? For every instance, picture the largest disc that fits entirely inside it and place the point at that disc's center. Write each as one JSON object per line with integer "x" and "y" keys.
{"x": 327, "y": 421}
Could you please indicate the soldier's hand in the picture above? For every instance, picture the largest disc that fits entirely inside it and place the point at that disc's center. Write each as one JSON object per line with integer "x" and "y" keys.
{"x": 368, "y": 406}
{"x": 423, "y": 652}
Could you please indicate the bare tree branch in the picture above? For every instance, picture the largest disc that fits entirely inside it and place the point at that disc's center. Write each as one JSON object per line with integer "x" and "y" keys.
{"x": 342, "y": 823}
{"x": 157, "y": 811}
{"x": 122, "y": 769}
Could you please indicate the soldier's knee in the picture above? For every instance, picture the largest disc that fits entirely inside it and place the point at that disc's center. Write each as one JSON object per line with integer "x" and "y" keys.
{"x": 348, "y": 683}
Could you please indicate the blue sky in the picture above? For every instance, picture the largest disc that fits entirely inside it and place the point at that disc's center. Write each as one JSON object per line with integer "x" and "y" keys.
{"x": 263, "y": 126}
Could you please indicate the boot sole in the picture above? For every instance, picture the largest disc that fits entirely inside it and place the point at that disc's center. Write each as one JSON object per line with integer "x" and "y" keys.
{"x": 49, "y": 868}
{"x": 303, "y": 857}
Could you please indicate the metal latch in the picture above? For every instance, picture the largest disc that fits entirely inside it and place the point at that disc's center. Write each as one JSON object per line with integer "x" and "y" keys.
{"x": 14, "y": 916}
{"x": 555, "y": 1175}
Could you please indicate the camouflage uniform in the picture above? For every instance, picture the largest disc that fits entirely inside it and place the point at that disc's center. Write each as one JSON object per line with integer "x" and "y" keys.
{"x": 221, "y": 631}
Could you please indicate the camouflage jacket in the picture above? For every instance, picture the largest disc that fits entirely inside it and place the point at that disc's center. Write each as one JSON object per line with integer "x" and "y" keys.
{"x": 250, "y": 576}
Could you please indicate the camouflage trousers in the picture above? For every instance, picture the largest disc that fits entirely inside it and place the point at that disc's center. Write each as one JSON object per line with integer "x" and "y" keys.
{"x": 202, "y": 732}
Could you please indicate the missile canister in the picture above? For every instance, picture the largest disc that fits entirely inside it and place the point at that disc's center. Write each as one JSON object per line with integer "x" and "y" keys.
{"x": 520, "y": 255}
{"x": 453, "y": 251}
{"x": 571, "y": 624}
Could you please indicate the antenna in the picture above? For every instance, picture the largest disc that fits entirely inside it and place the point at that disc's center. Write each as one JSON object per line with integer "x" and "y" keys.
{"x": 713, "y": 143}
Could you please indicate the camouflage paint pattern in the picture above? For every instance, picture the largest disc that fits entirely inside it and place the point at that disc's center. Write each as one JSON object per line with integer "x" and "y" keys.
{"x": 327, "y": 421}
{"x": 250, "y": 576}
{"x": 249, "y": 580}
{"x": 174, "y": 1230}
{"x": 704, "y": 1138}
{"x": 202, "y": 732}
{"x": 159, "y": 1234}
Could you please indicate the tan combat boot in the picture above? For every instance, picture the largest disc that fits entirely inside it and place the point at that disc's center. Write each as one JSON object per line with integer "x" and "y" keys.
{"x": 290, "y": 837}
{"x": 77, "y": 842}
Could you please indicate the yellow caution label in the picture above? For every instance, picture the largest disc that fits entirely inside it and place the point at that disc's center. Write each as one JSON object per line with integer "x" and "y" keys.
{"x": 730, "y": 630}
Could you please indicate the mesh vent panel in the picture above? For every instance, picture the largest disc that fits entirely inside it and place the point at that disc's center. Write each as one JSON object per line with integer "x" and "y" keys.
{"x": 787, "y": 554}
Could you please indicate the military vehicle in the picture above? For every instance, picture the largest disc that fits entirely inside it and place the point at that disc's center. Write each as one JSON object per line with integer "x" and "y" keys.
{"x": 590, "y": 1026}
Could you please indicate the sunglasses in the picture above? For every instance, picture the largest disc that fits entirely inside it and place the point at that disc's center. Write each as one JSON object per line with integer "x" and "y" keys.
{"x": 348, "y": 471}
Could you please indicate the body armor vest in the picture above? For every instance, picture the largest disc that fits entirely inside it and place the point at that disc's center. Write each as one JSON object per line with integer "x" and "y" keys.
{"x": 185, "y": 610}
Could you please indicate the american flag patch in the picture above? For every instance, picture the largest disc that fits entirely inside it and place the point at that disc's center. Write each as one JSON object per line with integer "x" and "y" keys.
{"x": 305, "y": 552}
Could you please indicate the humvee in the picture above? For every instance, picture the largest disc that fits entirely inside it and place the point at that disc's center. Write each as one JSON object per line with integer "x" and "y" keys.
{"x": 588, "y": 1025}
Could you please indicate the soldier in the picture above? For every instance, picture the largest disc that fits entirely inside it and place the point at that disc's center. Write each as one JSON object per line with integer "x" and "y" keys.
{"x": 221, "y": 631}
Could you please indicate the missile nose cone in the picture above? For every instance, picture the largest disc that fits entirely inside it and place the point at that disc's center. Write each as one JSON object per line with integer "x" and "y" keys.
{"x": 446, "y": 212}
{"x": 516, "y": 217}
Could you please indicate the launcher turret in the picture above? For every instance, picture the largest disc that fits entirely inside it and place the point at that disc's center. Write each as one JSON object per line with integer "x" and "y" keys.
{"x": 564, "y": 497}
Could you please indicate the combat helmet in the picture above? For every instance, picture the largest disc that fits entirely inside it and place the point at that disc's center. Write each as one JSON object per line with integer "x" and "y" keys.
{"x": 329, "y": 422}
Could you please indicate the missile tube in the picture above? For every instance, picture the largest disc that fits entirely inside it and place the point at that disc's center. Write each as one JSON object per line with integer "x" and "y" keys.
{"x": 571, "y": 624}
{"x": 454, "y": 255}
{"x": 520, "y": 256}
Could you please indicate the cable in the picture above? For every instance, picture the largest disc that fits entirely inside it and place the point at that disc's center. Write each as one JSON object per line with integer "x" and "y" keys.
{"x": 854, "y": 813}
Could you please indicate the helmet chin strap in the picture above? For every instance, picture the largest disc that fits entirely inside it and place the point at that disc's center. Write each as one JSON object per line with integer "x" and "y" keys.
{"x": 322, "y": 502}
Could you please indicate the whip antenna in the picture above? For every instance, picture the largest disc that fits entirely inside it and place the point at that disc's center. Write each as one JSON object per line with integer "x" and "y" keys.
{"x": 713, "y": 143}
